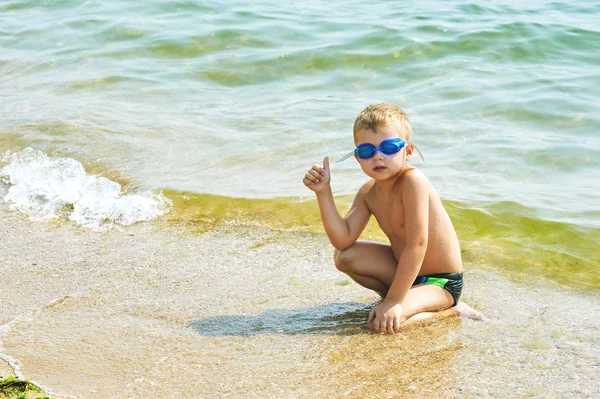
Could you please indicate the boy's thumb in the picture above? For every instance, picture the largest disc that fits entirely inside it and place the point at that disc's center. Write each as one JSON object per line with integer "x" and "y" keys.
{"x": 326, "y": 163}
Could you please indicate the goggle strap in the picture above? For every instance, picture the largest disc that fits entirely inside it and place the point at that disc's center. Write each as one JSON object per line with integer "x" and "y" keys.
{"x": 419, "y": 151}
{"x": 348, "y": 155}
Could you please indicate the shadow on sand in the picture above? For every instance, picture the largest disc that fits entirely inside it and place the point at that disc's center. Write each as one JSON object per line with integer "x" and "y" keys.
{"x": 334, "y": 318}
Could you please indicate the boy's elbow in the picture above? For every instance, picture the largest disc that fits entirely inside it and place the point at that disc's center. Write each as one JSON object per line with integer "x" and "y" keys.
{"x": 420, "y": 243}
{"x": 341, "y": 241}
{"x": 341, "y": 246}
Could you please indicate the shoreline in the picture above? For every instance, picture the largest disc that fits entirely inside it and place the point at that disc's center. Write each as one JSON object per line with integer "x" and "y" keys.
{"x": 155, "y": 310}
{"x": 12, "y": 385}
{"x": 505, "y": 235}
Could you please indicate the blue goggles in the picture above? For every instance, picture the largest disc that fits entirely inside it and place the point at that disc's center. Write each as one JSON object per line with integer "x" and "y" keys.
{"x": 387, "y": 147}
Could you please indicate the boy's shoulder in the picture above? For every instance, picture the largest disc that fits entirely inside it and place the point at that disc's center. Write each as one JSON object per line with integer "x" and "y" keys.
{"x": 365, "y": 190}
{"x": 412, "y": 180}
{"x": 409, "y": 181}
{"x": 414, "y": 176}
{"x": 367, "y": 186}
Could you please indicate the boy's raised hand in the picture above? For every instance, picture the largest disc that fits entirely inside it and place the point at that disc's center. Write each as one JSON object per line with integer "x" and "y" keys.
{"x": 317, "y": 178}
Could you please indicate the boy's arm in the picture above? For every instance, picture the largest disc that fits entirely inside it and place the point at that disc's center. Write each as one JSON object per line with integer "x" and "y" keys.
{"x": 342, "y": 232}
{"x": 415, "y": 200}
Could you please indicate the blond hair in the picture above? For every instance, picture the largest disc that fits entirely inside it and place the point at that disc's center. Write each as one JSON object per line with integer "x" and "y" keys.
{"x": 376, "y": 116}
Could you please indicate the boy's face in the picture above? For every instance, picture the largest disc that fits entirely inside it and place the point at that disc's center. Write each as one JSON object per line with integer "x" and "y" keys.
{"x": 381, "y": 166}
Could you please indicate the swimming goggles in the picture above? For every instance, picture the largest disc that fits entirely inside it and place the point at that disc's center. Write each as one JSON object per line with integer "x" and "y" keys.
{"x": 387, "y": 147}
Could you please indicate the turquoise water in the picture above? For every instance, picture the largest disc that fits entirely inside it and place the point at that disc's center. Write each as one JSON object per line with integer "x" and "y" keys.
{"x": 238, "y": 99}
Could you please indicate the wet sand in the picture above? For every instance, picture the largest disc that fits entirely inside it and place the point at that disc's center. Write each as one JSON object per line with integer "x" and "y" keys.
{"x": 156, "y": 311}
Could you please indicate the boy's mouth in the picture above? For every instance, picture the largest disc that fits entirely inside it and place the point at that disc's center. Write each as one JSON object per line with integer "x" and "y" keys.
{"x": 379, "y": 168}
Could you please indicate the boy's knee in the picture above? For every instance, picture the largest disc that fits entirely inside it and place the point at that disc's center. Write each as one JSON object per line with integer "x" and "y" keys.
{"x": 343, "y": 259}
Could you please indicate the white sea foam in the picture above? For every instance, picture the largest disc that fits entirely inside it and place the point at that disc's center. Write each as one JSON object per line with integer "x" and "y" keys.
{"x": 48, "y": 188}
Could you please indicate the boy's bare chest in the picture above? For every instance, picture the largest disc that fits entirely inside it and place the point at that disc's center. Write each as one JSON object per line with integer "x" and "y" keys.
{"x": 389, "y": 214}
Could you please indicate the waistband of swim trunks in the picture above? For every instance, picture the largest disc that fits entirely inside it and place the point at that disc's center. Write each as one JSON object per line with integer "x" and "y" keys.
{"x": 447, "y": 276}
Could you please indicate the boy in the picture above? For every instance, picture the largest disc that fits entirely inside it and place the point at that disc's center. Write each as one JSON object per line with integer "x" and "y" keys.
{"x": 420, "y": 271}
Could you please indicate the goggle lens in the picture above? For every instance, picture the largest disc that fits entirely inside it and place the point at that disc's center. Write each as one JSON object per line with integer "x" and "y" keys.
{"x": 365, "y": 152}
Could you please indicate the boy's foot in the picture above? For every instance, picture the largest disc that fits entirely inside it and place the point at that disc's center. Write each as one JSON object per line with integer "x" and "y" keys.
{"x": 469, "y": 313}
{"x": 460, "y": 310}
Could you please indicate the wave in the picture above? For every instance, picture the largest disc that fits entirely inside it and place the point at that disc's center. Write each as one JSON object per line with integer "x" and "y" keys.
{"x": 47, "y": 188}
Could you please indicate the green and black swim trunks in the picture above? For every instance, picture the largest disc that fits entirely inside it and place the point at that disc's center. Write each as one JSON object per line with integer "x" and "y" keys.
{"x": 452, "y": 282}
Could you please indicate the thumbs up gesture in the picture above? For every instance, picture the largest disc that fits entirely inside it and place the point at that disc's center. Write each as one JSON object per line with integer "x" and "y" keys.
{"x": 317, "y": 178}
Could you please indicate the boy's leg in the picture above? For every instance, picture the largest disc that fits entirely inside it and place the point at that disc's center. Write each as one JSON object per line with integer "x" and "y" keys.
{"x": 424, "y": 318}
{"x": 423, "y": 300}
{"x": 370, "y": 264}
{"x": 373, "y": 266}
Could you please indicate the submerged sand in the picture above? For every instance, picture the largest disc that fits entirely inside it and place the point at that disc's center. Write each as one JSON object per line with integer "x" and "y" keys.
{"x": 154, "y": 310}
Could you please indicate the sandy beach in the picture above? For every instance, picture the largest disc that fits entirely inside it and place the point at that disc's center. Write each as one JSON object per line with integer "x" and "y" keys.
{"x": 153, "y": 310}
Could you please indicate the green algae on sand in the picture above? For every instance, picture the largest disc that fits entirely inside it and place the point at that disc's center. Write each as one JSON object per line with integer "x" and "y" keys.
{"x": 505, "y": 236}
{"x": 11, "y": 387}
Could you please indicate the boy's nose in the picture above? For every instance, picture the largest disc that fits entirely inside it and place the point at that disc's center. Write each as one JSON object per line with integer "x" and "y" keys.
{"x": 378, "y": 155}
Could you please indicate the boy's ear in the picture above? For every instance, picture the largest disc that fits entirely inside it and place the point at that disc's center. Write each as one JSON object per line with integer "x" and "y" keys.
{"x": 410, "y": 148}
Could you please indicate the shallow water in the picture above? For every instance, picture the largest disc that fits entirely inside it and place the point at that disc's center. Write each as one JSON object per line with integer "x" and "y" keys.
{"x": 249, "y": 312}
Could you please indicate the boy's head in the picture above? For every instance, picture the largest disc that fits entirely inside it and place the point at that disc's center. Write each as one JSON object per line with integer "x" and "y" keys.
{"x": 377, "y": 116}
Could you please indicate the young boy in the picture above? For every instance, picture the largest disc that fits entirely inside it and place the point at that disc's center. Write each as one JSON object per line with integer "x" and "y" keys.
{"x": 420, "y": 271}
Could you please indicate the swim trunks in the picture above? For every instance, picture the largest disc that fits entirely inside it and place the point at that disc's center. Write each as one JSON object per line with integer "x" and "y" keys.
{"x": 452, "y": 282}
